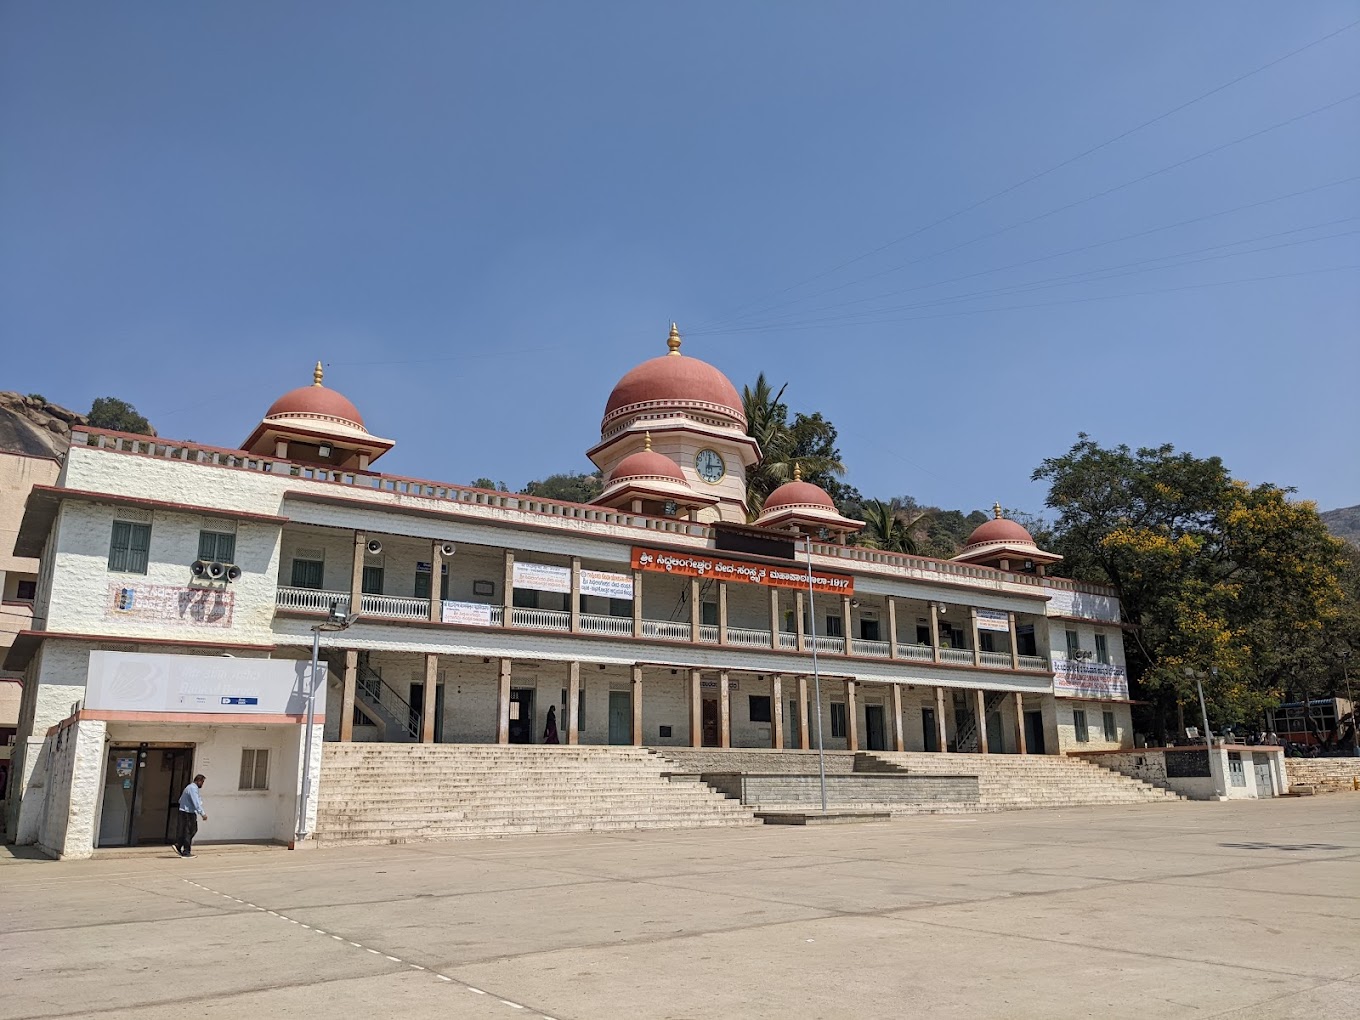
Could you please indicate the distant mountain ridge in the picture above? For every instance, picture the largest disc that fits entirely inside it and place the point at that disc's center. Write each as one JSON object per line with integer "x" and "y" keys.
{"x": 1344, "y": 523}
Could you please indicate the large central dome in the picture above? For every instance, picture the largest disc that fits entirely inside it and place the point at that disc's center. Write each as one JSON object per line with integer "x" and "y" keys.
{"x": 675, "y": 382}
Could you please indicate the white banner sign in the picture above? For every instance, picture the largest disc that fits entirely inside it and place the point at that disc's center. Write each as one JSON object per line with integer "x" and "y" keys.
{"x": 466, "y": 614}
{"x": 542, "y": 577}
{"x": 1083, "y": 605}
{"x": 607, "y": 585}
{"x": 991, "y": 619}
{"x": 217, "y": 684}
{"x": 1079, "y": 678}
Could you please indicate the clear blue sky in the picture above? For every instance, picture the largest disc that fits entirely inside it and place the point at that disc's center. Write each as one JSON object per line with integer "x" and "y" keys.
{"x": 480, "y": 215}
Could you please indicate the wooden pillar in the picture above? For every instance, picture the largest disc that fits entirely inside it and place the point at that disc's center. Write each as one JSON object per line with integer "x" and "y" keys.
{"x": 503, "y": 704}
{"x": 637, "y": 705}
{"x": 942, "y": 727}
{"x": 436, "y": 583}
{"x": 851, "y": 717}
{"x": 722, "y": 612}
{"x": 800, "y": 628}
{"x": 776, "y": 710}
{"x": 695, "y": 617}
{"x": 347, "y": 699}
{"x": 427, "y": 709}
{"x": 637, "y": 603}
{"x": 356, "y": 573}
{"x": 892, "y": 627}
{"x": 981, "y": 702}
{"x": 508, "y": 596}
{"x": 899, "y": 738}
{"x": 1019, "y": 715}
{"x": 574, "y": 703}
{"x": 774, "y": 617}
{"x": 804, "y": 738}
{"x": 724, "y": 711}
{"x": 575, "y": 607}
{"x": 935, "y": 629}
{"x": 977, "y": 644}
{"x": 696, "y": 709}
{"x": 1015, "y": 646}
{"x": 847, "y": 623}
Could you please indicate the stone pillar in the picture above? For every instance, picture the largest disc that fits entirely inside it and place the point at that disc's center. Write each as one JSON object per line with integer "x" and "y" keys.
{"x": 436, "y": 583}
{"x": 427, "y": 709}
{"x": 774, "y": 617}
{"x": 799, "y": 626}
{"x": 980, "y": 701}
{"x": 847, "y": 622}
{"x": 977, "y": 644}
{"x": 899, "y": 737}
{"x": 892, "y": 628}
{"x": 724, "y": 711}
{"x": 574, "y": 703}
{"x": 935, "y": 629}
{"x": 696, "y": 709}
{"x": 508, "y": 596}
{"x": 356, "y": 573}
{"x": 575, "y": 607}
{"x": 503, "y": 703}
{"x": 637, "y": 603}
{"x": 1019, "y": 713}
{"x": 804, "y": 737}
{"x": 347, "y": 699}
{"x": 776, "y": 710}
{"x": 695, "y": 617}
{"x": 722, "y": 612}
{"x": 851, "y": 717}
{"x": 941, "y": 726}
{"x": 1015, "y": 646}
{"x": 637, "y": 706}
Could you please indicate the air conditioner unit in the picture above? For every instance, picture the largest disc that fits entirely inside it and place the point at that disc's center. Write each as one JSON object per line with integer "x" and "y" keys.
{"x": 447, "y": 549}
{"x": 374, "y": 547}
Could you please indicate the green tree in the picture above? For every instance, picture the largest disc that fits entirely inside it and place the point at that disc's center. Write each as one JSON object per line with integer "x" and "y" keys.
{"x": 570, "y": 486}
{"x": 893, "y": 527}
{"x": 1212, "y": 572}
{"x": 809, "y": 440}
{"x": 487, "y": 483}
{"x": 118, "y": 416}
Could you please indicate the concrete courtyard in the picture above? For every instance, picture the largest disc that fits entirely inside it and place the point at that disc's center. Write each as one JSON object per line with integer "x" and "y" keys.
{"x": 1244, "y": 910}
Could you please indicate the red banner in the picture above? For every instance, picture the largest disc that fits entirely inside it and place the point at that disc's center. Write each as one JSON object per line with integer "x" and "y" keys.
{"x": 699, "y": 565}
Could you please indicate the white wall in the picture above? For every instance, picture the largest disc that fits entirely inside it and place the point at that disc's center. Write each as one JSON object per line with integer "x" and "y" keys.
{"x": 1067, "y": 727}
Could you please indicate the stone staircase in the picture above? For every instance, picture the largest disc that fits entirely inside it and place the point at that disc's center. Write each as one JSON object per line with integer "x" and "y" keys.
{"x": 398, "y": 793}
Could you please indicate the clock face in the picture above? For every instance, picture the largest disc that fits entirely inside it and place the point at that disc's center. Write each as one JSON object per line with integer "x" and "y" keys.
{"x": 709, "y": 465}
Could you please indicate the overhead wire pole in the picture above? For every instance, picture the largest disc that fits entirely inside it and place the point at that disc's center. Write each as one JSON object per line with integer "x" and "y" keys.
{"x": 816, "y": 675}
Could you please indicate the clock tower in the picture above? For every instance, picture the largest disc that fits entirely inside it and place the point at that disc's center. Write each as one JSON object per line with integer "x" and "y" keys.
{"x": 673, "y": 441}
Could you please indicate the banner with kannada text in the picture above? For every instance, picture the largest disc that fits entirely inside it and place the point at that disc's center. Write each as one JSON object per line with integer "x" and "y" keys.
{"x": 699, "y": 565}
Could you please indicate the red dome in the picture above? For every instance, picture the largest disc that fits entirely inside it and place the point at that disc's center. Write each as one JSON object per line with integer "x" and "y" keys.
{"x": 798, "y": 493}
{"x": 1000, "y": 529}
{"x": 674, "y": 379}
{"x": 318, "y": 401}
{"x": 647, "y": 464}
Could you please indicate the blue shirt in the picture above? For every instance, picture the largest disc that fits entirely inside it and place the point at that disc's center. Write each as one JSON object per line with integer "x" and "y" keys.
{"x": 190, "y": 801}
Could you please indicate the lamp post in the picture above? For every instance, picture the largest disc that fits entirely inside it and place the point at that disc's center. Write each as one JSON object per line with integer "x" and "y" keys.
{"x": 335, "y": 621}
{"x": 1346, "y": 673}
{"x": 816, "y": 675}
{"x": 1203, "y": 712}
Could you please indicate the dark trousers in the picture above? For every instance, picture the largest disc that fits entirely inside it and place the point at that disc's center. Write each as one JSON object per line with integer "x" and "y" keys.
{"x": 188, "y": 829}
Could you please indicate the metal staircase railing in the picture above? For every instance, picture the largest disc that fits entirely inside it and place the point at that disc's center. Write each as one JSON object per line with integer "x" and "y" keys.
{"x": 403, "y": 720}
{"x": 966, "y": 735}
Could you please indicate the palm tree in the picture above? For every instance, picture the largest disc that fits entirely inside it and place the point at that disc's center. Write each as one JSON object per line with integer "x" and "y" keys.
{"x": 781, "y": 444}
{"x": 891, "y": 527}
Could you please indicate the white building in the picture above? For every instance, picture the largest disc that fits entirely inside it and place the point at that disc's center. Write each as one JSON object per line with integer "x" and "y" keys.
{"x": 656, "y": 616}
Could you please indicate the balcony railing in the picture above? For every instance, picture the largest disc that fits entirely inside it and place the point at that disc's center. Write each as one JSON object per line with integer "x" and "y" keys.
{"x": 392, "y": 607}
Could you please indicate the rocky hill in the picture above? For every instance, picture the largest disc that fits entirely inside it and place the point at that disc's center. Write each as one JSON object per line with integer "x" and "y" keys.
{"x": 1344, "y": 523}
{"x": 35, "y": 427}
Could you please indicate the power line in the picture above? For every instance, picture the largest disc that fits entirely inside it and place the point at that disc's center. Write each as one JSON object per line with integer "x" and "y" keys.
{"x": 1043, "y": 173}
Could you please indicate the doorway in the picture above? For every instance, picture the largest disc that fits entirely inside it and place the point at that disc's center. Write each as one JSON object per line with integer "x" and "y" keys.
{"x": 141, "y": 794}
{"x": 521, "y": 715}
{"x": 875, "y": 736}
{"x": 794, "y": 728}
{"x": 1261, "y": 763}
{"x": 620, "y": 717}
{"x": 710, "y": 722}
{"x": 930, "y": 734}
{"x": 1034, "y": 733}
{"x": 418, "y": 709}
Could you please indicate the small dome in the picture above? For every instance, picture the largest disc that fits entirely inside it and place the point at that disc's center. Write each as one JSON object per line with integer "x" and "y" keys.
{"x": 647, "y": 464}
{"x": 999, "y": 529}
{"x": 798, "y": 493}
{"x": 676, "y": 381}
{"x": 316, "y": 401}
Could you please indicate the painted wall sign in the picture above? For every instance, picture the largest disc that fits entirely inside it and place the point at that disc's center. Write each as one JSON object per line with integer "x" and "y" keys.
{"x": 1083, "y": 605}
{"x": 466, "y": 614}
{"x": 173, "y": 604}
{"x": 693, "y": 565}
{"x": 542, "y": 577}
{"x": 1081, "y": 679}
{"x": 217, "y": 684}
{"x": 992, "y": 619}
{"x": 607, "y": 585}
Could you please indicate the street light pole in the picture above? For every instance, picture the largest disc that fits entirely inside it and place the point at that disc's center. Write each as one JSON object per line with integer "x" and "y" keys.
{"x": 337, "y": 621}
{"x": 1346, "y": 673}
{"x": 816, "y": 674}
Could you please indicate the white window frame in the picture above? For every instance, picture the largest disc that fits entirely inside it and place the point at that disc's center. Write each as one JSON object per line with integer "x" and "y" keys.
{"x": 252, "y": 785}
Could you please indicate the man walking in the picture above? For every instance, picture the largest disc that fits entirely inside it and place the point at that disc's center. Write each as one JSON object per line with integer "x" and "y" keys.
{"x": 190, "y": 811}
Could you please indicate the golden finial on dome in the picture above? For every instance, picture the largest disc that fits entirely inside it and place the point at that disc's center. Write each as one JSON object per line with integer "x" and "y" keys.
{"x": 673, "y": 341}
{"x": 797, "y": 471}
{"x": 996, "y": 510}
{"x": 316, "y": 375}
{"x": 646, "y": 440}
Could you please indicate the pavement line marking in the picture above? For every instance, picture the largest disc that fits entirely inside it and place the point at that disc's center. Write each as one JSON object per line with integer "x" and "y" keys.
{"x": 356, "y": 945}
{"x": 512, "y": 1005}
{"x": 318, "y": 931}
{"x": 337, "y": 938}
{"x": 476, "y": 991}
{"x": 307, "y": 926}
{"x": 415, "y": 966}
{"x": 374, "y": 951}
{"x": 392, "y": 958}
{"x": 443, "y": 978}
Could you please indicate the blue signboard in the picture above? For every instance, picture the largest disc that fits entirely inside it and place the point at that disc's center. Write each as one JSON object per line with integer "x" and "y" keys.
{"x": 240, "y": 701}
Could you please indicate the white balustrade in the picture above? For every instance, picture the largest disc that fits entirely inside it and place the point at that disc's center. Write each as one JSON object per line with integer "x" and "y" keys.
{"x": 667, "y": 630}
{"x": 708, "y": 633}
{"x": 863, "y": 646}
{"x": 1037, "y": 662}
{"x": 834, "y": 645}
{"x": 921, "y": 653}
{"x": 787, "y": 640}
{"x": 614, "y": 626}
{"x": 311, "y": 600}
{"x": 396, "y": 607}
{"x": 540, "y": 619}
{"x": 1001, "y": 659}
{"x": 748, "y": 638}
{"x": 956, "y": 655}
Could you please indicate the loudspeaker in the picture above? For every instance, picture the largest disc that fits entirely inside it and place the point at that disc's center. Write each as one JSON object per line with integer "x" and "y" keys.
{"x": 198, "y": 568}
{"x": 216, "y": 571}
{"x": 447, "y": 549}
{"x": 233, "y": 572}
{"x": 374, "y": 547}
